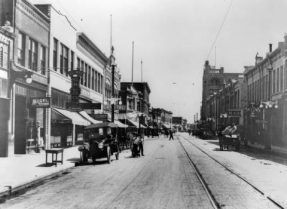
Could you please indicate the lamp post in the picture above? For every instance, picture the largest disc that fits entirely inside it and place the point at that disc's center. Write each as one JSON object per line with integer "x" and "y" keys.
{"x": 113, "y": 65}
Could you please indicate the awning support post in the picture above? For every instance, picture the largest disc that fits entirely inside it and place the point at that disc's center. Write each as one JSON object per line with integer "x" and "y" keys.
{"x": 74, "y": 135}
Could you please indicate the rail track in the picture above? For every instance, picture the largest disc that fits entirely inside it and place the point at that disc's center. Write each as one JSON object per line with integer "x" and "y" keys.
{"x": 212, "y": 199}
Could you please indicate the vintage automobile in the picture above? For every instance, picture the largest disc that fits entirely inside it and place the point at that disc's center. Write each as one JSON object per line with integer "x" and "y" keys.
{"x": 99, "y": 142}
{"x": 229, "y": 140}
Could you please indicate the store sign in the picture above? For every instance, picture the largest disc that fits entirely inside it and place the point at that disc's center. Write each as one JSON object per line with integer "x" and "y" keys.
{"x": 101, "y": 117}
{"x": 41, "y": 102}
{"x": 234, "y": 113}
{"x": 90, "y": 106}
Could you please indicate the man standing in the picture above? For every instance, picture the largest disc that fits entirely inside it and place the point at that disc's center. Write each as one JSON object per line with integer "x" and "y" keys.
{"x": 170, "y": 134}
{"x": 141, "y": 136}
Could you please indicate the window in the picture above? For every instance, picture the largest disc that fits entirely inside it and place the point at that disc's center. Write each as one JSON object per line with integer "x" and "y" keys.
{"x": 93, "y": 79}
{"x": 86, "y": 75}
{"x": 89, "y": 77}
{"x": 96, "y": 81}
{"x": 82, "y": 69}
{"x": 278, "y": 80}
{"x": 72, "y": 60}
{"x": 64, "y": 59}
{"x": 21, "y": 49}
{"x": 55, "y": 54}
{"x": 99, "y": 87}
{"x": 43, "y": 60}
{"x": 33, "y": 55}
{"x": 273, "y": 82}
{"x": 281, "y": 78}
{"x": 101, "y": 84}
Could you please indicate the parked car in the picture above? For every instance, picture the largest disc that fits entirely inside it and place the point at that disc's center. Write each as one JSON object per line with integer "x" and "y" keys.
{"x": 99, "y": 142}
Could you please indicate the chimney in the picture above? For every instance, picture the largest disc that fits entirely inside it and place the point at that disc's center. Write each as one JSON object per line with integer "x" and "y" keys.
{"x": 270, "y": 48}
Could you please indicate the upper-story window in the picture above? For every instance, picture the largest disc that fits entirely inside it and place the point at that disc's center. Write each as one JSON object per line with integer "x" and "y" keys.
{"x": 55, "y": 54}
{"x": 72, "y": 60}
{"x": 281, "y": 78}
{"x": 33, "y": 55}
{"x": 273, "y": 82}
{"x": 21, "y": 49}
{"x": 278, "y": 80}
{"x": 43, "y": 60}
{"x": 64, "y": 60}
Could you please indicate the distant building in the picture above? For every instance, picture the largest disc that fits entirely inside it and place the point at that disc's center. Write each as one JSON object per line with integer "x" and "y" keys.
{"x": 213, "y": 80}
{"x": 162, "y": 117}
{"x": 143, "y": 91}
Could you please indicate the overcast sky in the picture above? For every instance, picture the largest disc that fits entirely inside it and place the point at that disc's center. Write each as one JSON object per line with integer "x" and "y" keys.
{"x": 174, "y": 38}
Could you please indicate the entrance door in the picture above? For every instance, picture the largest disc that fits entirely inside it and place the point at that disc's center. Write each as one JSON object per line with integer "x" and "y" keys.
{"x": 20, "y": 125}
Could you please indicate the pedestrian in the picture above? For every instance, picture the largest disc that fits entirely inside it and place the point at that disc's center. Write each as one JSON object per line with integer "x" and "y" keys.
{"x": 141, "y": 143}
{"x": 171, "y": 135}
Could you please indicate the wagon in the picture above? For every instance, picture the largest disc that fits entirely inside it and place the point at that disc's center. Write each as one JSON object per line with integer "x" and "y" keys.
{"x": 227, "y": 141}
{"x": 99, "y": 142}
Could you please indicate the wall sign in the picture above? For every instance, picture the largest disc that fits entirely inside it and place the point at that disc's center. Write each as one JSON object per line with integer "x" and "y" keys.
{"x": 41, "y": 102}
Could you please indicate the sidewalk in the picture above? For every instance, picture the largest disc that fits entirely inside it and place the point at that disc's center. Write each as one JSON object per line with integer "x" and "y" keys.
{"x": 22, "y": 171}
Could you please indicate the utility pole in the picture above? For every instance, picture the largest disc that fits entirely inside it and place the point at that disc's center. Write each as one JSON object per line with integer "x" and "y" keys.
{"x": 132, "y": 63}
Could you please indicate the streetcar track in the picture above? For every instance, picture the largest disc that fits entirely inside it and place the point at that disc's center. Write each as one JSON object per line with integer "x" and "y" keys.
{"x": 210, "y": 196}
{"x": 235, "y": 174}
{"x": 132, "y": 180}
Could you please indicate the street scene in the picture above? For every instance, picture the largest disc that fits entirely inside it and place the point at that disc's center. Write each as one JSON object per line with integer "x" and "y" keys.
{"x": 143, "y": 104}
{"x": 186, "y": 172}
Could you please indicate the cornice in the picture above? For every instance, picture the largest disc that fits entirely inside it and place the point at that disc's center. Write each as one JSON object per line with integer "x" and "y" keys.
{"x": 34, "y": 13}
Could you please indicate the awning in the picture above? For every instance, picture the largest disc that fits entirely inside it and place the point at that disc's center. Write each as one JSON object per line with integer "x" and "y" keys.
{"x": 165, "y": 126}
{"x": 63, "y": 116}
{"x": 120, "y": 125}
{"x": 89, "y": 118}
{"x": 129, "y": 123}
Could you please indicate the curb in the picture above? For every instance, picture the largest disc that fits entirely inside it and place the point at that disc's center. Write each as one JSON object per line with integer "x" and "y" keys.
{"x": 21, "y": 189}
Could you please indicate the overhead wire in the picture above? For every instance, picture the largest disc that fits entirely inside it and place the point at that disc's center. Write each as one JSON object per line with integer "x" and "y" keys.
{"x": 220, "y": 28}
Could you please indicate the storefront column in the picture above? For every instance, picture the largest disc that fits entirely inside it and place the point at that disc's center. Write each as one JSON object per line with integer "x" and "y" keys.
{"x": 74, "y": 135}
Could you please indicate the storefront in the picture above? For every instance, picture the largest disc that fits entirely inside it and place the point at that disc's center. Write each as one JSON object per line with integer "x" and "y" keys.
{"x": 67, "y": 128}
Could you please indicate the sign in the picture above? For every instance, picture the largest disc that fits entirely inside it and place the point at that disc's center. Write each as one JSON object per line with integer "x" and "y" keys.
{"x": 93, "y": 106}
{"x": 41, "y": 102}
{"x": 101, "y": 117}
{"x": 234, "y": 113}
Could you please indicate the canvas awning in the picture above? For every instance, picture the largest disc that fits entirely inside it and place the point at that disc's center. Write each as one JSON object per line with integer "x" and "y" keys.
{"x": 120, "y": 125}
{"x": 89, "y": 118}
{"x": 165, "y": 126}
{"x": 66, "y": 116}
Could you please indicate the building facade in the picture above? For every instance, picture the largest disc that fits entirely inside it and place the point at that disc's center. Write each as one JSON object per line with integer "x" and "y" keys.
{"x": 266, "y": 110}
{"x": 6, "y": 54}
{"x": 31, "y": 29}
{"x": 213, "y": 80}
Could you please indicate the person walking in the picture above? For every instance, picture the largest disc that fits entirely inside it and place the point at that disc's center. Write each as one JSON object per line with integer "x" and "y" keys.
{"x": 170, "y": 135}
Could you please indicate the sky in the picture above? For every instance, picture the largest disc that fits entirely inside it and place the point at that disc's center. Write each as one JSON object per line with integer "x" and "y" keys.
{"x": 174, "y": 38}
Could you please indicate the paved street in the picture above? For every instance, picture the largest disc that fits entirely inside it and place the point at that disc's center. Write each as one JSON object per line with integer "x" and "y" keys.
{"x": 163, "y": 178}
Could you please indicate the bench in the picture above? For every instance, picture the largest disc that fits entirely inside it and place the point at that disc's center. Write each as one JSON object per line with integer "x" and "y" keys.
{"x": 55, "y": 151}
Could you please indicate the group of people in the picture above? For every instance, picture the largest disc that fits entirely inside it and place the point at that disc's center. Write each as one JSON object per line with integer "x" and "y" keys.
{"x": 228, "y": 130}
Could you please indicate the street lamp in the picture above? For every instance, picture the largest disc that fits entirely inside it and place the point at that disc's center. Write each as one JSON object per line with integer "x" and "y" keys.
{"x": 113, "y": 65}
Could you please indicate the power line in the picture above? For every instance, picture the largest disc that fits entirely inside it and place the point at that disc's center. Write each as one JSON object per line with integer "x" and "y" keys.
{"x": 220, "y": 28}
